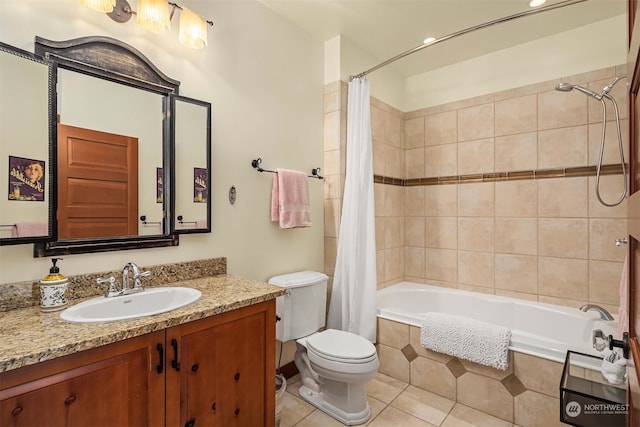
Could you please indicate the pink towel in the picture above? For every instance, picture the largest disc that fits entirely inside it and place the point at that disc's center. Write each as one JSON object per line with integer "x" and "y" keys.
{"x": 623, "y": 315}
{"x": 290, "y": 199}
{"x": 26, "y": 229}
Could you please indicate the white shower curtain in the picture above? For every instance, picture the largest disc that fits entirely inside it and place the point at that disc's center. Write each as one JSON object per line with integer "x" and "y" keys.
{"x": 353, "y": 298}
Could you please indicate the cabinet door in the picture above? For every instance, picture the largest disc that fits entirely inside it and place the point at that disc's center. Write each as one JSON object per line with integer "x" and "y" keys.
{"x": 227, "y": 369}
{"x": 114, "y": 385}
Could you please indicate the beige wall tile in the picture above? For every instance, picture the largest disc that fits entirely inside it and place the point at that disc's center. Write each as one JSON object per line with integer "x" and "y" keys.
{"x": 330, "y": 253}
{"x": 602, "y": 235}
{"x": 561, "y": 109}
{"x": 516, "y": 199}
{"x": 331, "y": 132}
{"x": 441, "y": 160}
{"x": 331, "y": 217}
{"x": 414, "y": 262}
{"x": 331, "y": 101}
{"x": 563, "y": 147}
{"x": 476, "y": 199}
{"x": 516, "y": 152}
{"x": 441, "y": 232}
{"x": 538, "y": 374}
{"x": 414, "y": 231}
{"x": 381, "y": 225}
{"x": 442, "y": 264}
{"x": 533, "y": 409}
{"x": 475, "y": 157}
{"x": 476, "y": 234}
{"x": 331, "y": 162}
{"x": 393, "y": 334}
{"x": 414, "y": 335}
{"x": 517, "y": 273}
{"x": 379, "y": 157}
{"x": 488, "y": 371}
{"x": 611, "y": 187}
{"x": 414, "y": 133}
{"x": 562, "y": 197}
{"x": 441, "y": 200}
{"x": 394, "y": 162}
{"x": 393, "y": 263}
{"x": 517, "y": 115}
{"x": 516, "y": 236}
{"x": 604, "y": 282}
{"x": 332, "y": 187}
{"x": 394, "y": 128}
{"x": 441, "y": 128}
{"x": 393, "y": 363}
{"x": 414, "y": 163}
{"x": 486, "y": 395}
{"x": 563, "y": 278}
{"x": 380, "y": 267}
{"x": 476, "y": 268}
{"x": 476, "y": 122}
{"x": 377, "y": 124}
{"x": 563, "y": 237}
{"x": 394, "y": 233}
{"x": 433, "y": 376}
{"x": 414, "y": 201}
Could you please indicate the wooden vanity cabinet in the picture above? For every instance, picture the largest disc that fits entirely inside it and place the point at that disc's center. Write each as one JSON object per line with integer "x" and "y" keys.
{"x": 225, "y": 369}
{"x": 113, "y": 385}
{"x": 215, "y": 371}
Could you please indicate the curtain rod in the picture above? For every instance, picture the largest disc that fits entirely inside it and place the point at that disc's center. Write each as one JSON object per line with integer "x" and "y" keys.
{"x": 468, "y": 30}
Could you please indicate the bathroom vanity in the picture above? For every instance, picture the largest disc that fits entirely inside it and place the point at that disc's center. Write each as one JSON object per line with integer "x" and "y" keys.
{"x": 209, "y": 363}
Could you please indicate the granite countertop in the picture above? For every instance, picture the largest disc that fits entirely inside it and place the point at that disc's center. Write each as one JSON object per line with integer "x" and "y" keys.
{"x": 29, "y": 336}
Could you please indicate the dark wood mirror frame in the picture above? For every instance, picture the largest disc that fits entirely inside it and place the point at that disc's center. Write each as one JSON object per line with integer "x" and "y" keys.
{"x": 112, "y": 60}
{"x": 51, "y": 87}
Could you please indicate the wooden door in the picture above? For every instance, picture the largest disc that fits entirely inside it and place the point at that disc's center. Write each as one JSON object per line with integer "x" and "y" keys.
{"x": 633, "y": 217}
{"x": 115, "y": 385}
{"x": 97, "y": 184}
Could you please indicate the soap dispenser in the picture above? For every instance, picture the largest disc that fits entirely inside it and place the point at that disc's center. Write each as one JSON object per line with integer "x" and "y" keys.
{"x": 53, "y": 289}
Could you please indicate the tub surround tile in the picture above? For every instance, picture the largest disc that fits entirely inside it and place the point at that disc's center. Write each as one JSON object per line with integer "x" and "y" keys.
{"x": 516, "y": 152}
{"x": 441, "y": 128}
{"x": 572, "y": 193}
{"x": 476, "y": 122}
{"x": 414, "y": 333}
{"x": 539, "y": 375}
{"x": 476, "y": 200}
{"x": 602, "y": 235}
{"x": 51, "y": 337}
{"x": 610, "y": 191}
{"x": 516, "y": 236}
{"x": 516, "y": 199}
{"x": 409, "y": 352}
{"x": 456, "y": 367}
{"x": 563, "y": 237}
{"x": 563, "y": 278}
{"x": 564, "y": 147}
{"x": 487, "y": 371}
{"x": 604, "y": 281}
{"x": 393, "y": 363}
{"x": 517, "y": 115}
{"x": 611, "y": 147}
{"x": 414, "y": 133}
{"x": 513, "y": 384}
{"x": 486, "y": 395}
{"x": 559, "y": 109}
{"x": 476, "y": 268}
{"x": 393, "y": 334}
{"x": 433, "y": 376}
{"x": 476, "y": 157}
{"x": 518, "y": 273}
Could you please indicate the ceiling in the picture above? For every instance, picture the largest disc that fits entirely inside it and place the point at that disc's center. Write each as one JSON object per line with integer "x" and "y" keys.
{"x": 386, "y": 28}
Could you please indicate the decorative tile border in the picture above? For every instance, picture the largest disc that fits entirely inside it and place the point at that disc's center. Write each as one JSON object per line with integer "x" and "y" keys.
{"x": 572, "y": 172}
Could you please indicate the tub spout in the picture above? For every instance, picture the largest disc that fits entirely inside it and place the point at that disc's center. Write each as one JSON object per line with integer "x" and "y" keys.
{"x": 604, "y": 314}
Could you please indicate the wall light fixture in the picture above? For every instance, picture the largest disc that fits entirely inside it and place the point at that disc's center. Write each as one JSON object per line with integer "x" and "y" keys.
{"x": 155, "y": 16}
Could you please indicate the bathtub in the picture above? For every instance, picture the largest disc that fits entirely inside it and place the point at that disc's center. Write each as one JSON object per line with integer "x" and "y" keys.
{"x": 537, "y": 329}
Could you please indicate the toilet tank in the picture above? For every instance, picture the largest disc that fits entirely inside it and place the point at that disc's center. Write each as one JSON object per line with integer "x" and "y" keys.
{"x": 302, "y": 309}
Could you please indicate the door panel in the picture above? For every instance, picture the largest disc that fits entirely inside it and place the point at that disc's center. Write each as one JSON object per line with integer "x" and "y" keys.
{"x": 97, "y": 184}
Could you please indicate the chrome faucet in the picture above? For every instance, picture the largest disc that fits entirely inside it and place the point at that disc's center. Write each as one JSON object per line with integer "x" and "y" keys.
{"x": 125, "y": 289}
{"x": 604, "y": 314}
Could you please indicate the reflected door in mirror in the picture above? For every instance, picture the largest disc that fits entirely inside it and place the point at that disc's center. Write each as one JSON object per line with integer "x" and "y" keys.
{"x": 97, "y": 184}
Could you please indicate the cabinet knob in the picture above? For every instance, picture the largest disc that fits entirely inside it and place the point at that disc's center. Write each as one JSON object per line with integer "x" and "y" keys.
{"x": 236, "y": 376}
{"x": 69, "y": 400}
{"x": 213, "y": 406}
{"x": 237, "y": 411}
{"x": 194, "y": 368}
{"x": 16, "y": 411}
{"x": 190, "y": 423}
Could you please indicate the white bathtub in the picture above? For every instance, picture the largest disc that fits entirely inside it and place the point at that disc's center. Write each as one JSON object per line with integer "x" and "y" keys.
{"x": 537, "y": 329}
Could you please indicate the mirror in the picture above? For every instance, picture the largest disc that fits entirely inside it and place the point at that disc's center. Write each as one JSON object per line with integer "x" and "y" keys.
{"x": 191, "y": 153}
{"x": 26, "y": 141}
{"x": 122, "y": 83}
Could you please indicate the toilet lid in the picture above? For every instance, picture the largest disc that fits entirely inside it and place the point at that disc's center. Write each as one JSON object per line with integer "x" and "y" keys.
{"x": 341, "y": 346}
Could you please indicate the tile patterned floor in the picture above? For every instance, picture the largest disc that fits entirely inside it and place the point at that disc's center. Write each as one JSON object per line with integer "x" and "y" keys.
{"x": 393, "y": 403}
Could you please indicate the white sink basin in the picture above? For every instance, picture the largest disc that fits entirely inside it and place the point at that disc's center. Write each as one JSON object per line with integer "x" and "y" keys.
{"x": 146, "y": 303}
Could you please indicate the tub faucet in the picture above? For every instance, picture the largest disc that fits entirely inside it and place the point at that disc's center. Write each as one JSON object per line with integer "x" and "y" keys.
{"x": 604, "y": 314}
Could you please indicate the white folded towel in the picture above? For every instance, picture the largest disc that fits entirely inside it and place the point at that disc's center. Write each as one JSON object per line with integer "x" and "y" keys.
{"x": 614, "y": 367}
{"x": 466, "y": 338}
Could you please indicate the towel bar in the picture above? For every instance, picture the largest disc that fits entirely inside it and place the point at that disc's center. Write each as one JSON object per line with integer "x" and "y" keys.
{"x": 315, "y": 172}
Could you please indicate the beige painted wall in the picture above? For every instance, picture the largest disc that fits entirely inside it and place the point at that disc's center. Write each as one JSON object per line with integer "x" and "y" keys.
{"x": 264, "y": 79}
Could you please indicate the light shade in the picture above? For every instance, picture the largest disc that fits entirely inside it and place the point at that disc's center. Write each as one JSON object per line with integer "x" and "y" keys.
{"x": 105, "y": 6}
{"x": 153, "y": 15}
{"x": 193, "y": 29}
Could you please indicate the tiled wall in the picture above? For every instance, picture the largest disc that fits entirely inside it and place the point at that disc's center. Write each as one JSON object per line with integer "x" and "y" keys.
{"x": 541, "y": 239}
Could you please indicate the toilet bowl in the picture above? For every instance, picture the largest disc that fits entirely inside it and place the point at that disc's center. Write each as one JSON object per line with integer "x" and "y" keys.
{"x": 335, "y": 367}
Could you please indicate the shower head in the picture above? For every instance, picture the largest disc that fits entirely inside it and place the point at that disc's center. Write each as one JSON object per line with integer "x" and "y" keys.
{"x": 568, "y": 87}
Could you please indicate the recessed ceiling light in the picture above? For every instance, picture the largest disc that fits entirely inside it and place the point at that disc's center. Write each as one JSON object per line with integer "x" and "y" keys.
{"x": 429, "y": 40}
{"x": 536, "y": 3}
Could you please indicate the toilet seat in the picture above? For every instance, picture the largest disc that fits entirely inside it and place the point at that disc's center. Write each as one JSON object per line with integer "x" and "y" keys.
{"x": 341, "y": 346}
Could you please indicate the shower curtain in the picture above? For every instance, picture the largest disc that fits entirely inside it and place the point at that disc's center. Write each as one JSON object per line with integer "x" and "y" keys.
{"x": 353, "y": 298}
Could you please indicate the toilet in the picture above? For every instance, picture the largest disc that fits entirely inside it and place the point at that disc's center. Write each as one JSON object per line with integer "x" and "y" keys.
{"x": 334, "y": 365}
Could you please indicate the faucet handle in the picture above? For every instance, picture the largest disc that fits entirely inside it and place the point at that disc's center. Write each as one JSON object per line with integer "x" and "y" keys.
{"x": 112, "y": 291}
